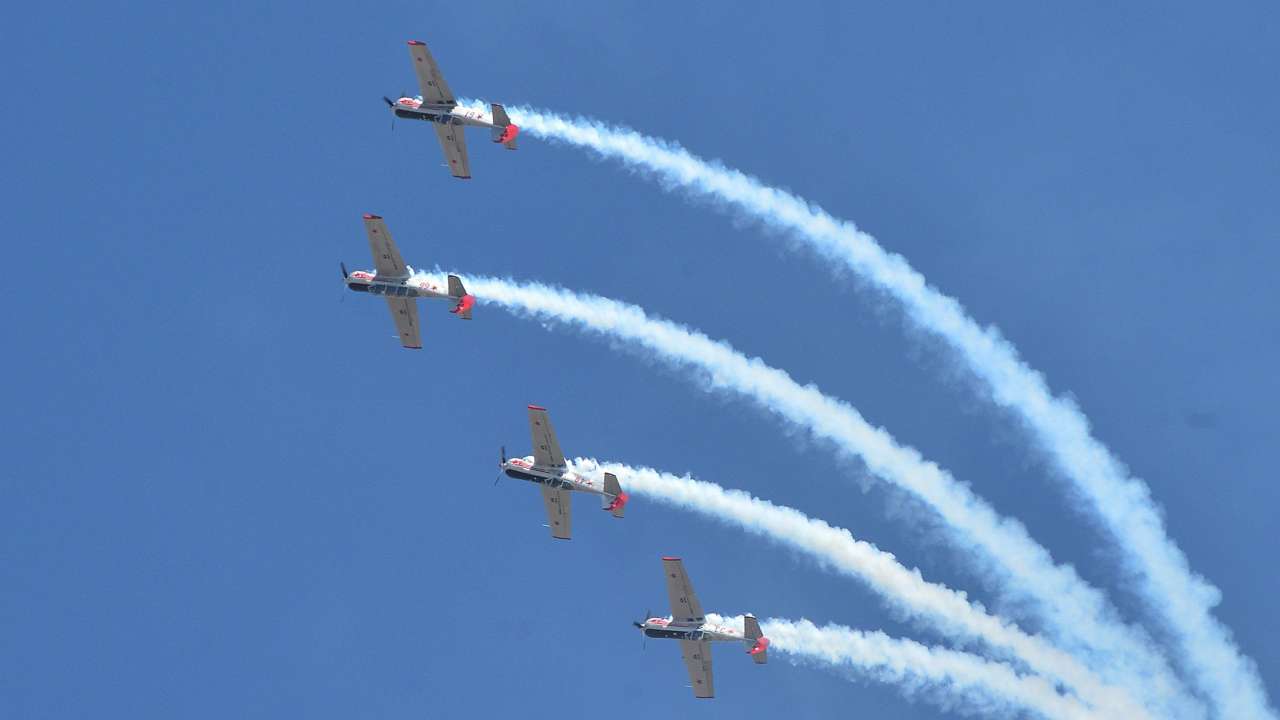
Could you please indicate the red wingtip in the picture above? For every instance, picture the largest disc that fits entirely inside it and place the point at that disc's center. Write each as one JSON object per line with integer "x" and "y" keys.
{"x": 416, "y": 42}
{"x": 368, "y": 216}
{"x": 537, "y": 407}
{"x": 761, "y": 645}
{"x": 670, "y": 558}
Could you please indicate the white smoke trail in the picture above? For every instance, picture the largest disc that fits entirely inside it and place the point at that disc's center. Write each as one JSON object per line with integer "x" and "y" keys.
{"x": 957, "y": 681}
{"x": 1180, "y": 598}
{"x": 943, "y": 608}
{"x": 1069, "y": 608}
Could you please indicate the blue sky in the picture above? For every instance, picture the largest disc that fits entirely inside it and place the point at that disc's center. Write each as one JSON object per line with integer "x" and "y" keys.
{"x": 228, "y": 491}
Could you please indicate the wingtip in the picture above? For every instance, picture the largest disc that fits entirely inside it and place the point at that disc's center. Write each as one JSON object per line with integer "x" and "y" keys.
{"x": 537, "y": 407}
{"x": 371, "y": 216}
{"x": 668, "y": 557}
{"x": 416, "y": 42}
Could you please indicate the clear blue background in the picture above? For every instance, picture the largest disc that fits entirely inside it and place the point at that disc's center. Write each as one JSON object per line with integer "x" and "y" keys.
{"x": 227, "y": 492}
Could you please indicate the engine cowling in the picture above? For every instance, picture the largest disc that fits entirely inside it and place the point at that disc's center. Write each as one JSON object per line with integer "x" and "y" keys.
{"x": 508, "y": 134}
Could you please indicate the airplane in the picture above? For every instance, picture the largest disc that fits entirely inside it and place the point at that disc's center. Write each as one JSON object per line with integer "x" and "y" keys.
{"x": 546, "y": 466}
{"x": 437, "y": 105}
{"x": 688, "y": 625}
{"x": 394, "y": 280}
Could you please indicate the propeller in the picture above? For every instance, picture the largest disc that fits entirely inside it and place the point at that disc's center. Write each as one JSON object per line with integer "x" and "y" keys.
{"x": 502, "y": 453}
{"x": 644, "y": 638}
{"x": 344, "y": 269}
{"x": 391, "y": 104}
{"x": 641, "y": 623}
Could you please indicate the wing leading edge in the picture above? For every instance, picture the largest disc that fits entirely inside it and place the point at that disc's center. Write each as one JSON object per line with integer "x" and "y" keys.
{"x": 386, "y": 257}
{"x": 430, "y": 80}
{"x": 685, "y": 607}
{"x": 559, "y": 512}
{"x": 453, "y": 141}
{"x": 697, "y": 658}
{"x": 404, "y": 311}
{"x": 546, "y": 449}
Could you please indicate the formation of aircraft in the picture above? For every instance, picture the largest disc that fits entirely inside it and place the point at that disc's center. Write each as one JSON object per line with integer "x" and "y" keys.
{"x": 438, "y": 105}
{"x": 688, "y": 625}
{"x": 546, "y": 467}
{"x": 394, "y": 280}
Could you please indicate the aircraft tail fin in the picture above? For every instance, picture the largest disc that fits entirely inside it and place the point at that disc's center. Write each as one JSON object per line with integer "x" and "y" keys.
{"x": 466, "y": 301}
{"x": 615, "y": 500}
{"x": 757, "y": 643}
{"x": 504, "y": 131}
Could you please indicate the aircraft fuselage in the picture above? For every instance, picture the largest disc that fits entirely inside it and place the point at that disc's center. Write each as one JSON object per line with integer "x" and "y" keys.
{"x": 668, "y": 629}
{"x": 414, "y": 287}
{"x": 555, "y": 477}
{"x": 443, "y": 114}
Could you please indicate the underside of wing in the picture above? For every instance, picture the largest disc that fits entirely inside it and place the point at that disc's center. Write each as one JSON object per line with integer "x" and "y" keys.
{"x": 697, "y": 658}
{"x": 685, "y": 607}
{"x": 559, "y": 512}
{"x": 405, "y": 313}
{"x": 546, "y": 449}
{"x": 386, "y": 257}
{"x": 430, "y": 80}
{"x": 454, "y": 144}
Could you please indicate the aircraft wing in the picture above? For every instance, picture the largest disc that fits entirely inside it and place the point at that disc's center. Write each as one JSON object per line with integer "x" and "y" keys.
{"x": 434, "y": 89}
{"x": 697, "y": 658}
{"x": 454, "y": 144}
{"x": 546, "y": 449}
{"x": 386, "y": 258}
{"x": 405, "y": 312}
{"x": 559, "y": 511}
{"x": 685, "y": 607}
